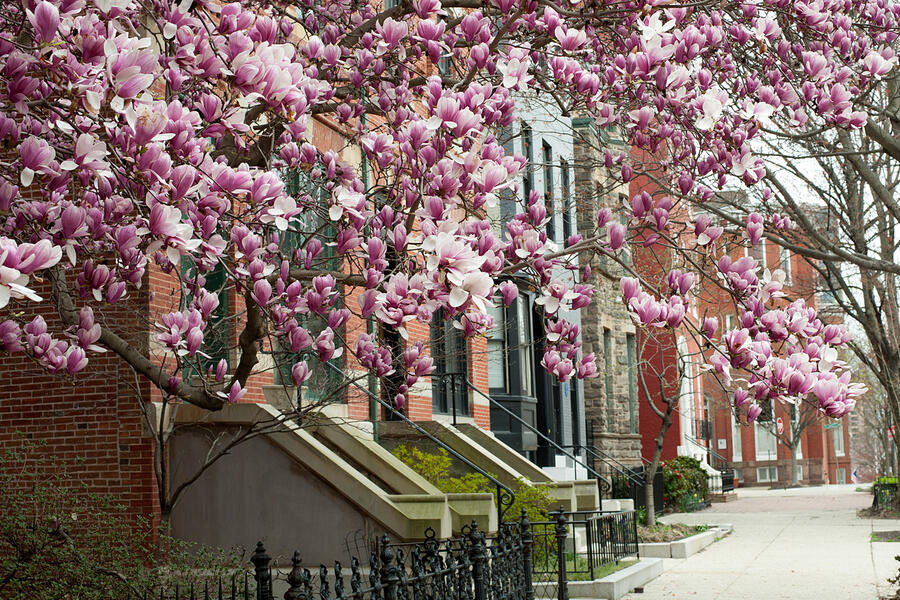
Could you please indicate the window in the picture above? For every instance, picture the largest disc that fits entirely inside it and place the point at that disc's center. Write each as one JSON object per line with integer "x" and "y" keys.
{"x": 736, "y": 450}
{"x": 632, "y": 384}
{"x": 497, "y": 353}
{"x": 567, "y": 208}
{"x": 766, "y": 474}
{"x": 576, "y": 416}
{"x": 324, "y": 381}
{"x": 445, "y": 62}
{"x": 626, "y": 249}
{"x": 838, "y": 433}
{"x": 686, "y": 390}
{"x": 547, "y": 157}
{"x": 798, "y": 469}
{"x": 528, "y": 151}
{"x": 758, "y": 251}
{"x": 526, "y": 351}
{"x": 785, "y": 264}
{"x": 840, "y": 475}
{"x": 215, "y": 339}
{"x": 608, "y": 370}
{"x": 767, "y": 409}
{"x": 389, "y": 4}
{"x": 449, "y": 350}
{"x": 766, "y": 444}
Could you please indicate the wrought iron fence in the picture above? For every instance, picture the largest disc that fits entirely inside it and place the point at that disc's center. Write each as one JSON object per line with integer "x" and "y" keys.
{"x": 522, "y": 561}
{"x": 238, "y": 586}
{"x": 586, "y": 540}
{"x": 473, "y": 566}
{"x": 727, "y": 480}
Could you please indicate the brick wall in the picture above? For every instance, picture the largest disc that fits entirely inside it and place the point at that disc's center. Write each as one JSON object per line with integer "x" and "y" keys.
{"x": 92, "y": 422}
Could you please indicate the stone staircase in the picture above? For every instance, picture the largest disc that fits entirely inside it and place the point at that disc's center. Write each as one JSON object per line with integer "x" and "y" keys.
{"x": 313, "y": 486}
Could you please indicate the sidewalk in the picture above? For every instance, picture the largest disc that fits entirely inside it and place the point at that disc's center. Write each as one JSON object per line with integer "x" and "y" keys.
{"x": 792, "y": 544}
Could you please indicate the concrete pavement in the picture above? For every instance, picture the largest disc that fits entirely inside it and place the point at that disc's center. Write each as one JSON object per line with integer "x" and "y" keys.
{"x": 797, "y": 544}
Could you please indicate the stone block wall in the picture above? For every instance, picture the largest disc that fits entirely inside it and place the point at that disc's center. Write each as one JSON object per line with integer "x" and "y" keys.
{"x": 611, "y": 418}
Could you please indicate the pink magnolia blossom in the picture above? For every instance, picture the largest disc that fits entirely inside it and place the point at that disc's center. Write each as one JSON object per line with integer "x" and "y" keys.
{"x": 195, "y": 160}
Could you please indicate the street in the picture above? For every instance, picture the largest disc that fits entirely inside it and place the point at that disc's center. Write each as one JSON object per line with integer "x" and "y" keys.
{"x": 804, "y": 543}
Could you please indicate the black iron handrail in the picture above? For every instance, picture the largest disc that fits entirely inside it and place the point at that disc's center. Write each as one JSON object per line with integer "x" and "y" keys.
{"x": 505, "y": 495}
{"x": 453, "y": 376}
{"x": 709, "y": 451}
{"x": 534, "y": 430}
{"x": 622, "y": 469}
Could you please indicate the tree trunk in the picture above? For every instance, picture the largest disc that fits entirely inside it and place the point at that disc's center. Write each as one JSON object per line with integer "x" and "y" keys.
{"x": 650, "y": 471}
{"x": 795, "y": 479}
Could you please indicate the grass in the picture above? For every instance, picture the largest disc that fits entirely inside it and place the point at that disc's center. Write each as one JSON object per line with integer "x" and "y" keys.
{"x": 665, "y": 532}
{"x": 580, "y": 564}
{"x": 885, "y": 536}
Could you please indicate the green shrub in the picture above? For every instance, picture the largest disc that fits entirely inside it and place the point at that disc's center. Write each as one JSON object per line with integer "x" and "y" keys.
{"x": 58, "y": 541}
{"x": 684, "y": 481}
{"x": 435, "y": 468}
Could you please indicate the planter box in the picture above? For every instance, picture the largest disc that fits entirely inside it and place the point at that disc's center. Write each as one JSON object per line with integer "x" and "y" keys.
{"x": 656, "y": 549}
{"x": 614, "y": 586}
{"x": 685, "y": 547}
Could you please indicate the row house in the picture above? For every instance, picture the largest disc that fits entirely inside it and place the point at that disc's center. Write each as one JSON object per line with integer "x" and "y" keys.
{"x": 765, "y": 452}
{"x": 612, "y": 411}
{"x": 535, "y": 413}
{"x": 489, "y": 401}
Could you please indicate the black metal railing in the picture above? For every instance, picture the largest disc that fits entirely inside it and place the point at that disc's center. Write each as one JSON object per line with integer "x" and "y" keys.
{"x": 603, "y": 482}
{"x": 450, "y": 393}
{"x": 598, "y": 539}
{"x": 504, "y": 494}
{"x": 626, "y": 481}
{"x": 474, "y": 566}
{"x": 721, "y": 464}
{"x": 237, "y": 586}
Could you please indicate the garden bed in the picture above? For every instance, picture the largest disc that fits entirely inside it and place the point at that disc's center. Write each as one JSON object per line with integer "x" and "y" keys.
{"x": 665, "y": 532}
{"x": 685, "y": 546}
{"x": 885, "y": 536}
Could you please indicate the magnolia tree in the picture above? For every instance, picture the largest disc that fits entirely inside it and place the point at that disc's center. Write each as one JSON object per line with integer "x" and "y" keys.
{"x": 157, "y": 136}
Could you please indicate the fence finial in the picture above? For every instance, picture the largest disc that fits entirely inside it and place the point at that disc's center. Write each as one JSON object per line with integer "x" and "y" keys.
{"x": 298, "y": 579}
{"x": 263, "y": 575}
{"x": 561, "y": 530}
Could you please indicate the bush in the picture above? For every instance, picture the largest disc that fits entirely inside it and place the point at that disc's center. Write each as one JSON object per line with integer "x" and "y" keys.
{"x": 684, "y": 481}
{"x": 57, "y": 540}
{"x": 435, "y": 468}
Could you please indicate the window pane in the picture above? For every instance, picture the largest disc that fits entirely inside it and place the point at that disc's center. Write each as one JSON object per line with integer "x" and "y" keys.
{"x": 547, "y": 156}
{"x": 838, "y": 433}
{"x": 786, "y": 264}
{"x": 496, "y": 349}
{"x": 525, "y": 350}
{"x": 766, "y": 448}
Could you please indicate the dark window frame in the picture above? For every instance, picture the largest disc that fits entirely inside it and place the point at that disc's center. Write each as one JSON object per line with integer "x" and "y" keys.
{"x": 566, "y": 199}
{"x": 549, "y": 201}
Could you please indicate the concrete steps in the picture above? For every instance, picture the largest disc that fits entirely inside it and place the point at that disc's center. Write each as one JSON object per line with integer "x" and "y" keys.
{"x": 324, "y": 487}
{"x": 487, "y": 452}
